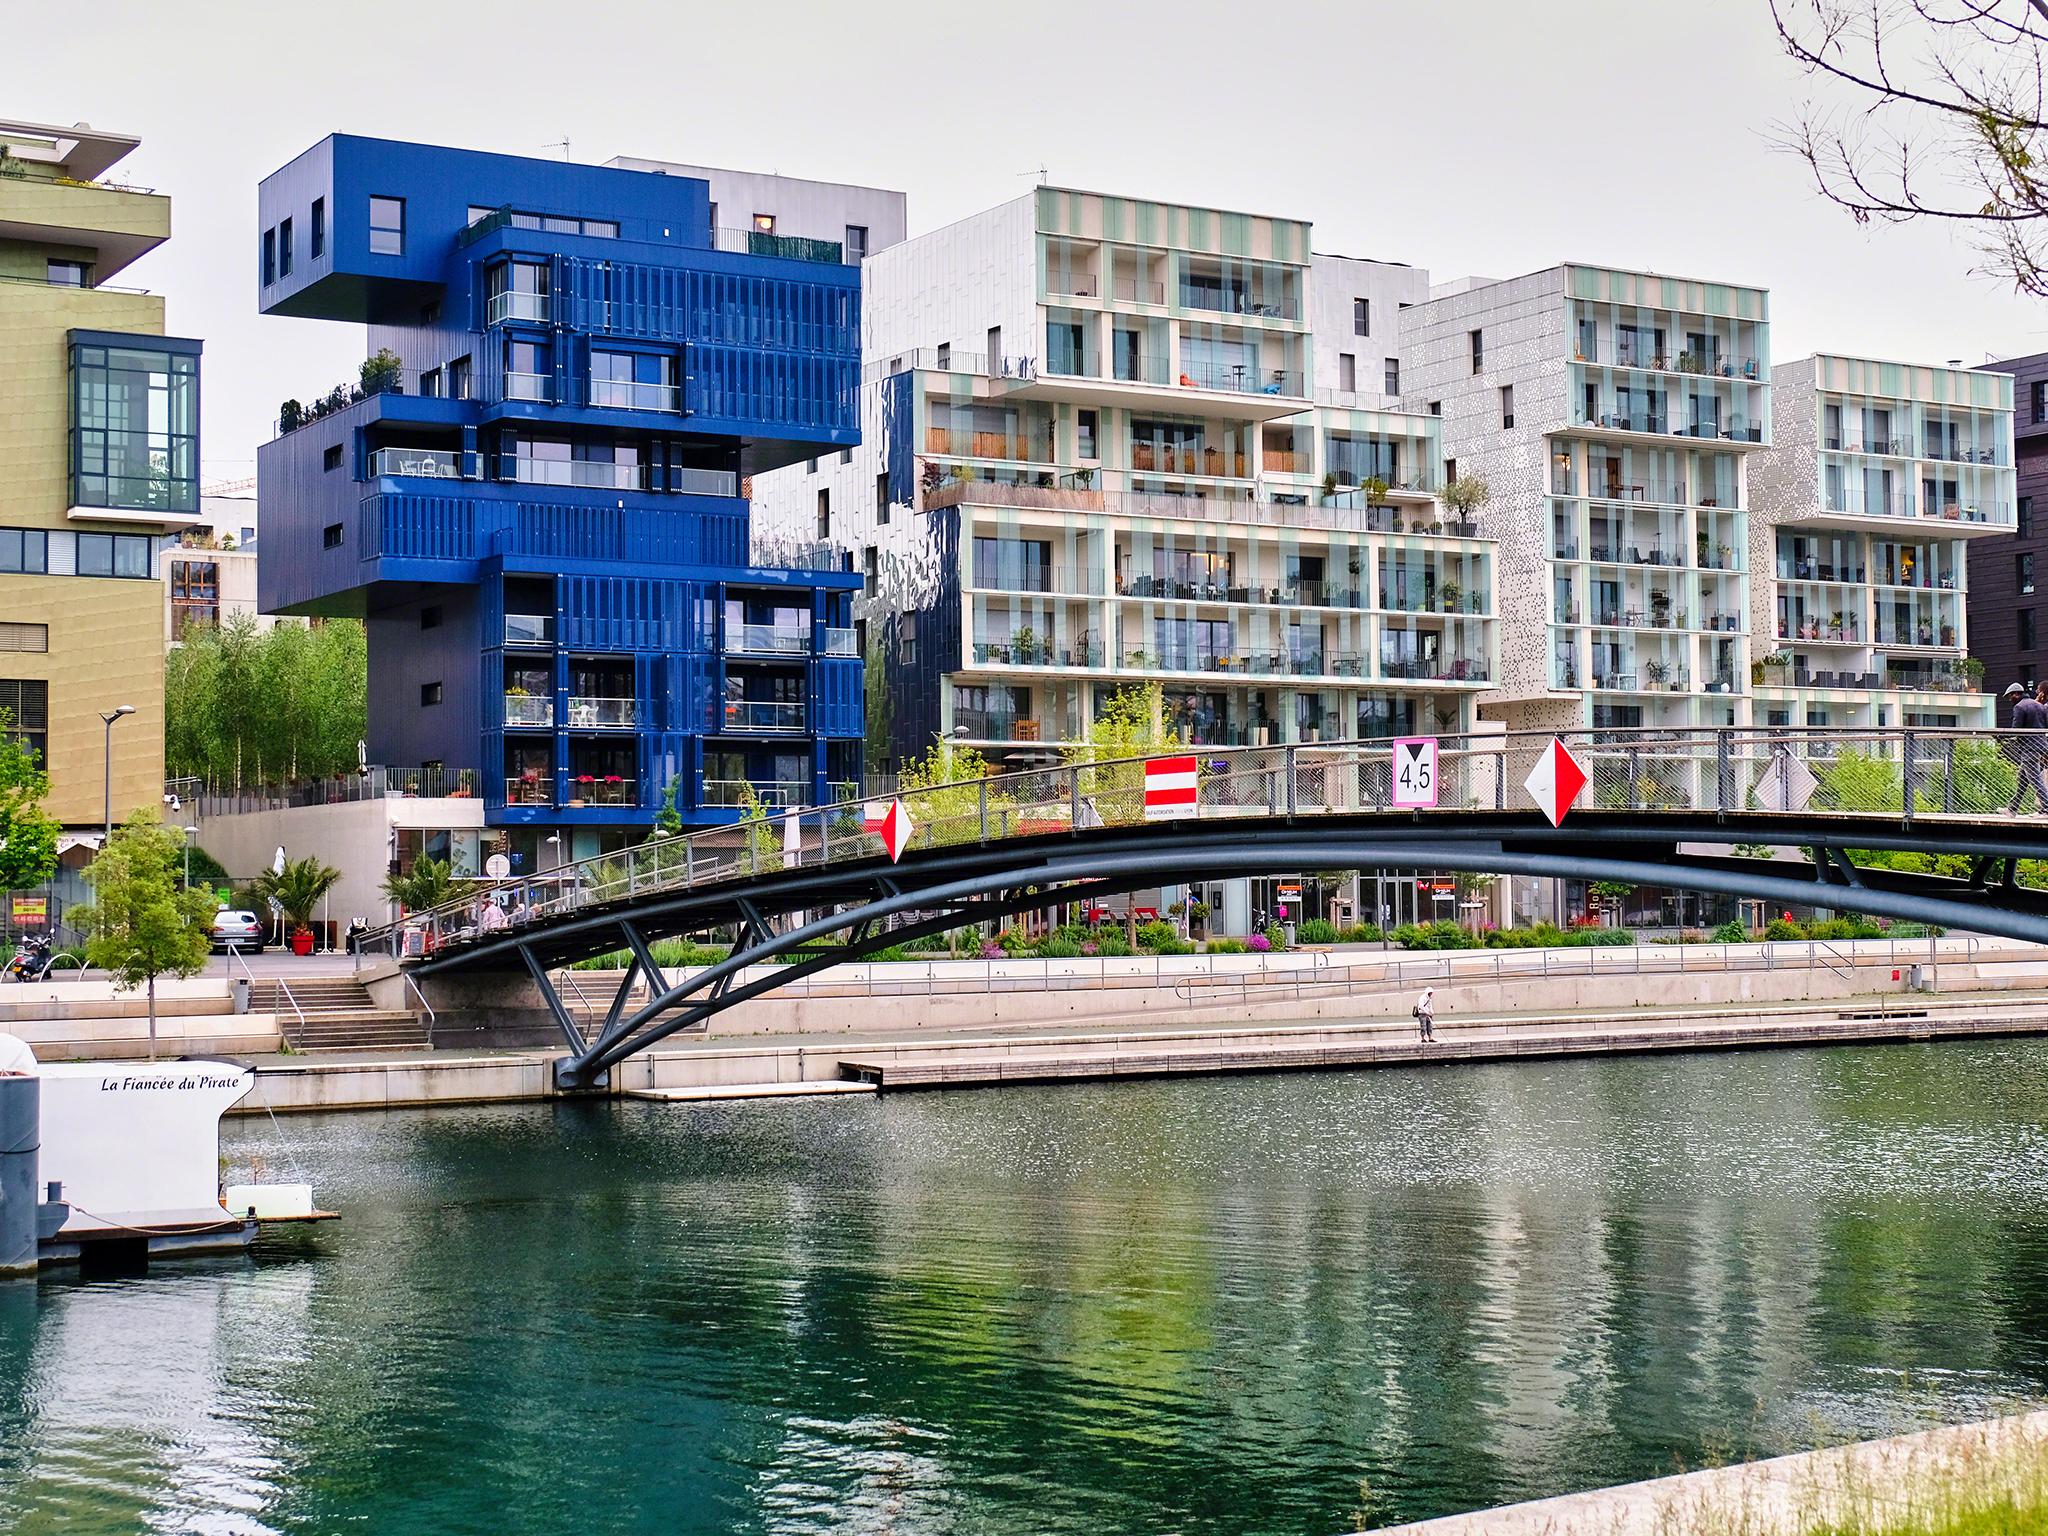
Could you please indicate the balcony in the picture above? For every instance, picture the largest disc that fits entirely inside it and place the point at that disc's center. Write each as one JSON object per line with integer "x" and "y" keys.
{"x": 538, "y": 387}
{"x": 1830, "y": 632}
{"x": 589, "y": 713}
{"x": 1634, "y": 554}
{"x": 583, "y": 472}
{"x": 630, "y": 395}
{"x": 1072, "y": 285}
{"x": 735, "y": 792}
{"x": 1214, "y": 463}
{"x": 700, "y": 482}
{"x": 1438, "y": 669}
{"x": 1712, "y": 365}
{"x": 767, "y": 640}
{"x": 1231, "y": 300}
{"x": 528, "y": 710}
{"x": 763, "y": 715}
{"x": 604, "y": 789}
{"x": 1856, "y": 442}
{"x": 841, "y": 642}
{"x": 1243, "y": 379}
{"x": 1136, "y": 290}
{"x": 1020, "y": 652}
{"x": 754, "y": 242}
{"x": 517, "y": 306}
{"x": 529, "y": 629}
{"x": 1000, "y": 725}
{"x": 425, "y": 463}
{"x": 1008, "y": 446}
{"x": 530, "y": 789}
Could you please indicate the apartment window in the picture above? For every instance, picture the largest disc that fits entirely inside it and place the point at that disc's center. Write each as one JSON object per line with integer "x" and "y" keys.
{"x": 124, "y": 555}
{"x": 712, "y": 229}
{"x": 945, "y": 360}
{"x": 134, "y": 423}
{"x": 430, "y": 693}
{"x": 1347, "y": 371}
{"x": 26, "y": 701}
{"x": 846, "y": 455}
{"x": 69, "y": 274}
{"x": 1507, "y": 405}
{"x": 995, "y": 348}
{"x": 458, "y": 379}
{"x": 1361, "y": 317}
{"x": 824, "y": 512}
{"x": 2023, "y": 525}
{"x": 195, "y": 596}
{"x": 269, "y": 257}
{"x": 317, "y": 235}
{"x": 330, "y": 457}
{"x": 2023, "y": 574}
{"x": 1086, "y": 425}
{"x": 856, "y": 244}
{"x": 330, "y": 536}
{"x": 2037, "y": 397}
{"x": 1450, "y": 470}
{"x": 882, "y": 497}
{"x": 870, "y": 564}
{"x": 764, "y": 223}
{"x": 1478, "y": 351}
{"x": 906, "y": 639}
{"x": 1436, "y": 407}
{"x": 430, "y": 314}
{"x": 387, "y": 226}
{"x": 24, "y": 637}
{"x": 430, "y": 616}
{"x": 1393, "y": 375}
{"x": 2026, "y": 629}
{"x": 284, "y": 249}
{"x": 24, "y": 552}
{"x": 810, "y": 466}
{"x": 430, "y": 384}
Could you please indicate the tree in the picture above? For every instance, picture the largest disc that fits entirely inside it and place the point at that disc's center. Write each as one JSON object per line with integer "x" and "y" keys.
{"x": 1130, "y": 725}
{"x": 1940, "y": 118}
{"x": 428, "y": 883}
{"x": 943, "y": 793}
{"x": 242, "y": 703}
{"x": 142, "y": 923}
{"x": 298, "y": 887}
{"x": 28, "y": 833}
{"x": 1466, "y": 495}
{"x": 668, "y": 821}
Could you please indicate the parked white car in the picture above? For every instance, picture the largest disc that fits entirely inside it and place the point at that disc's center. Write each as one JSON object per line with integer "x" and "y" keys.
{"x": 236, "y": 930}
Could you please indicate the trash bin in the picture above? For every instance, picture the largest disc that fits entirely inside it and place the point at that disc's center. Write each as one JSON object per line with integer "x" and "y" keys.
{"x": 239, "y": 986}
{"x": 1289, "y": 929}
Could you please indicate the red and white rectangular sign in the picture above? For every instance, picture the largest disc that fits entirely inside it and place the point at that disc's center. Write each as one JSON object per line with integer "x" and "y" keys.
{"x": 1171, "y": 788}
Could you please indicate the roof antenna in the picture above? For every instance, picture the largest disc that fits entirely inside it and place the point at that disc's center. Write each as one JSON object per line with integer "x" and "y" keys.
{"x": 1039, "y": 173}
{"x": 562, "y": 144}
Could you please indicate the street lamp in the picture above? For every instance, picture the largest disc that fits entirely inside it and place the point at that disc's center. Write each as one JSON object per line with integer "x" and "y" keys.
{"x": 118, "y": 711}
{"x": 190, "y": 833}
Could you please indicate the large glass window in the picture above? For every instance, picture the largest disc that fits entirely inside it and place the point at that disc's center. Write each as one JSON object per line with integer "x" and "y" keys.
{"x": 318, "y": 233}
{"x": 27, "y": 704}
{"x": 636, "y": 381}
{"x": 114, "y": 554}
{"x": 387, "y": 226}
{"x": 24, "y": 551}
{"x": 134, "y": 427}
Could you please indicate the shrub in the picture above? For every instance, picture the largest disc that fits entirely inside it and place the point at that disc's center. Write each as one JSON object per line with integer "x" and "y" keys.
{"x": 1441, "y": 934}
{"x": 1361, "y": 933}
{"x": 1781, "y": 928}
{"x": 1225, "y": 946}
{"x": 1109, "y": 942}
{"x": 1172, "y": 946}
{"x": 991, "y": 950}
{"x": 1156, "y": 934}
{"x": 1729, "y": 933}
{"x": 1058, "y": 948}
{"x": 1258, "y": 944}
{"x": 1316, "y": 930}
{"x": 1276, "y": 936}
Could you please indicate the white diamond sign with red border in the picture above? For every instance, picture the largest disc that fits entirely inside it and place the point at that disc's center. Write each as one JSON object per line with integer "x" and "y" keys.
{"x": 1554, "y": 783}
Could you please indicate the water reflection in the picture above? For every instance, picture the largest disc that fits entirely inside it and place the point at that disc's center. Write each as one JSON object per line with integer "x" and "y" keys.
{"x": 1273, "y": 1304}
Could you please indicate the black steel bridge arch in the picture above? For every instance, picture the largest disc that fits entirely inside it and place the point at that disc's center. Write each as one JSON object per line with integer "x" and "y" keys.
{"x": 871, "y": 903}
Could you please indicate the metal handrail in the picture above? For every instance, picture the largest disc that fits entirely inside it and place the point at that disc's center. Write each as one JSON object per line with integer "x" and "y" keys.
{"x": 1644, "y": 771}
{"x": 432, "y": 1022}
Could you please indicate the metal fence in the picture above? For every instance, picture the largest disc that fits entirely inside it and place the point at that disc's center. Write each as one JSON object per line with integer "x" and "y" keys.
{"x": 1905, "y": 774}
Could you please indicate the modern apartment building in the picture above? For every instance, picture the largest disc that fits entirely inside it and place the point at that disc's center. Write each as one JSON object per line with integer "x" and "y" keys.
{"x": 1613, "y": 417}
{"x": 1882, "y": 476}
{"x": 99, "y": 461}
{"x": 209, "y": 569}
{"x": 535, "y": 494}
{"x": 1103, "y": 445}
{"x": 2008, "y": 571}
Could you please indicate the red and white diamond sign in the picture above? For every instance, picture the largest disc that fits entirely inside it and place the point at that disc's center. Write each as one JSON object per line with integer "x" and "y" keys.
{"x": 1554, "y": 783}
{"x": 892, "y": 824}
{"x": 1172, "y": 788}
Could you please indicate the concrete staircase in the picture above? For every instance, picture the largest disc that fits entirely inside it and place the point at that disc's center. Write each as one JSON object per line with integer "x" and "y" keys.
{"x": 338, "y": 1015}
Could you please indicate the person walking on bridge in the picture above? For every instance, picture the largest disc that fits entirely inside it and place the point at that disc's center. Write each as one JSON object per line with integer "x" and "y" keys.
{"x": 1425, "y": 1015}
{"x": 2029, "y": 721}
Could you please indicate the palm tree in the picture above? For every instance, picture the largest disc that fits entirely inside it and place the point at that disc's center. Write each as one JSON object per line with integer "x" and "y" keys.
{"x": 298, "y": 888}
{"x": 427, "y": 884}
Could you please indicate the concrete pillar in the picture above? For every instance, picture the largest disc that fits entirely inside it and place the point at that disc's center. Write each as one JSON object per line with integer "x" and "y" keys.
{"x": 20, "y": 1136}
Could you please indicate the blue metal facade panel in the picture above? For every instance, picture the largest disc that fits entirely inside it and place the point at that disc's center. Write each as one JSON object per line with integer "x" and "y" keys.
{"x": 619, "y": 582}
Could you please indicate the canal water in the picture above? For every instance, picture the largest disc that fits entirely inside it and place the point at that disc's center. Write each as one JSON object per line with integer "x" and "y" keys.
{"x": 1289, "y": 1304}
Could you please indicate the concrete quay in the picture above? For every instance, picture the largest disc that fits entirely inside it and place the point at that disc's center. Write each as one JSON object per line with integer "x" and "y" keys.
{"x": 1872, "y": 1486}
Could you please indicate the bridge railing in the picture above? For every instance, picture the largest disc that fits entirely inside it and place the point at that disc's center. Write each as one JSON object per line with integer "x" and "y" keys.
{"x": 1908, "y": 774}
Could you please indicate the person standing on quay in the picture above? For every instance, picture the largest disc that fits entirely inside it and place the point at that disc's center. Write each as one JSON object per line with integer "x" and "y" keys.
{"x": 2029, "y": 720}
{"x": 1425, "y": 1015}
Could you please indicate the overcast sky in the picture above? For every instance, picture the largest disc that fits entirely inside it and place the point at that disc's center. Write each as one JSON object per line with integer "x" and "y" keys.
{"x": 1491, "y": 136}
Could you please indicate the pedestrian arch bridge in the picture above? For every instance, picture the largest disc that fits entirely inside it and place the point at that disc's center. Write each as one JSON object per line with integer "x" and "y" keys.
{"x": 1764, "y": 814}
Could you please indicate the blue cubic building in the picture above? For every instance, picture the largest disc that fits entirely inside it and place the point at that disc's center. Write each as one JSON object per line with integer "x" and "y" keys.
{"x": 535, "y": 495}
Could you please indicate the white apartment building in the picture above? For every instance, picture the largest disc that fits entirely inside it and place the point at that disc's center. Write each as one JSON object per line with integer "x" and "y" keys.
{"x": 209, "y": 571}
{"x": 1613, "y": 416}
{"x": 1881, "y": 473}
{"x": 1104, "y": 444}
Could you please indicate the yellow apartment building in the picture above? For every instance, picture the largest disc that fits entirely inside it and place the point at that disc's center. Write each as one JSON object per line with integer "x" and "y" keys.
{"x": 99, "y": 465}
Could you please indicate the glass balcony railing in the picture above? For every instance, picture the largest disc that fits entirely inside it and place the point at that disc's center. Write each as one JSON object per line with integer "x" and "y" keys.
{"x": 517, "y": 306}
{"x": 1072, "y": 285}
{"x": 763, "y": 715}
{"x": 734, "y": 792}
{"x": 529, "y": 386}
{"x": 587, "y": 712}
{"x": 429, "y": 463}
{"x": 630, "y": 395}
{"x": 768, "y": 640}
{"x": 1137, "y": 290}
{"x": 601, "y": 789}
{"x": 1240, "y": 301}
{"x": 1172, "y": 459}
{"x": 529, "y": 789}
{"x": 607, "y": 477}
{"x": 841, "y": 642}
{"x": 1242, "y": 379}
{"x": 701, "y": 482}
{"x": 529, "y": 710}
{"x": 1008, "y": 577}
{"x": 529, "y": 629}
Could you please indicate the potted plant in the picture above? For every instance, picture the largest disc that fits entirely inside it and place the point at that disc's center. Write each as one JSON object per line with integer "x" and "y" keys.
{"x": 297, "y": 890}
{"x": 1452, "y": 595}
{"x": 1026, "y": 642}
{"x": 1656, "y": 671}
{"x": 290, "y": 416}
{"x": 1329, "y": 487}
{"x": 1466, "y": 495}
{"x": 381, "y": 372}
{"x": 1973, "y": 674}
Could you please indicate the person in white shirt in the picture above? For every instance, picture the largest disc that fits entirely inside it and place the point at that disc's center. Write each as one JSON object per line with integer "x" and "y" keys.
{"x": 1425, "y": 1015}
